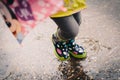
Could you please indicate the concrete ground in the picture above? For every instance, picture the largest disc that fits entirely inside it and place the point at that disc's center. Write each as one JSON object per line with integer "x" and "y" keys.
{"x": 34, "y": 59}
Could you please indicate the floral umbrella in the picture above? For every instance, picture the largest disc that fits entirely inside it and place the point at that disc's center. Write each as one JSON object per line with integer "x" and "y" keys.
{"x": 21, "y": 16}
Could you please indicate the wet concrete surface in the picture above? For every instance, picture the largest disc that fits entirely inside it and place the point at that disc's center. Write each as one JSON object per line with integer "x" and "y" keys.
{"x": 34, "y": 59}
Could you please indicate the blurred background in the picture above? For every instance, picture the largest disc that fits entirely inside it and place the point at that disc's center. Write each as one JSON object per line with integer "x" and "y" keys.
{"x": 34, "y": 59}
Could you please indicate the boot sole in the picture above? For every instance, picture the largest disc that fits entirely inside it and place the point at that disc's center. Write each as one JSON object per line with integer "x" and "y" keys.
{"x": 83, "y": 56}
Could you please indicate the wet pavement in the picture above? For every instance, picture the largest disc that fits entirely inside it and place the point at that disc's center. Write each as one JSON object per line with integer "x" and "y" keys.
{"x": 34, "y": 59}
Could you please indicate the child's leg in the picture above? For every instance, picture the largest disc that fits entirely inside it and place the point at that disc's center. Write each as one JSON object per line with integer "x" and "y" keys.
{"x": 67, "y": 31}
{"x": 67, "y": 27}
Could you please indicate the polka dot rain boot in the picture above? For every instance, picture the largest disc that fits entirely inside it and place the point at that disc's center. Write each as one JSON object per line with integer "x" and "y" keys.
{"x": 75, "y": 50}
{"x": 61, "y": 50}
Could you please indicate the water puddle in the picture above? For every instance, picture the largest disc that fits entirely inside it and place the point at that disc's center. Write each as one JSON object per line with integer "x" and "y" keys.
{"x": 73, "y": 70}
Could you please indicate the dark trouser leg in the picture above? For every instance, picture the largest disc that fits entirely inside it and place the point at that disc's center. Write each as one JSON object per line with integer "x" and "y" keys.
{"x": 68, "y": 26}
